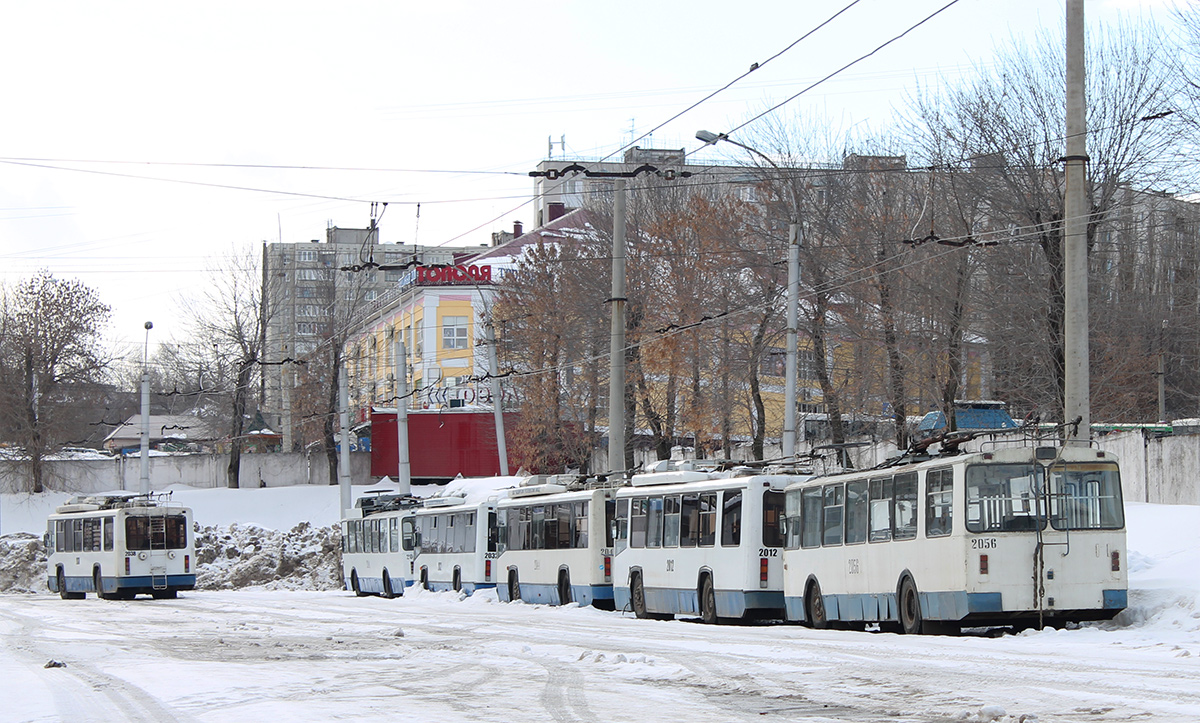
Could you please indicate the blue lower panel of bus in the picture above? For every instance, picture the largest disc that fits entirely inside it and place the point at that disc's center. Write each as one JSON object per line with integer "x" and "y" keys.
{"x": 1116, "y": 599}
{"x": 114, "y": 584}
{"x": 954, "y": 605}
{"x": 467, "y": 587}
{"x": 548, "y": 594}
{"x": 730, "y": 603}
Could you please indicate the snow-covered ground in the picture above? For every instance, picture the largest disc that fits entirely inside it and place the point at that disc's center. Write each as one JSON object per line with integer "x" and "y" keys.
{"x": 287, "y": 649}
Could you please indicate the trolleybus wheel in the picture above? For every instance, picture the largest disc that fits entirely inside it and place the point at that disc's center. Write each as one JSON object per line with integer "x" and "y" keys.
{"x": 910, "y": 607}
{"x": 62, "y": 588}
{"x": 425, "y": 578}
{"x": 514, "y": 586}
{"x": 564, "y": 587}
{"x": 98, "y": 583}
{"x": 354, "y": 584}
{"x": 814, "y": 605}
{"x": 387, "y": 586}
{"x": 638, "y": 597}
{"x": 457, "y": 580}
{"x": 708, "y": 601}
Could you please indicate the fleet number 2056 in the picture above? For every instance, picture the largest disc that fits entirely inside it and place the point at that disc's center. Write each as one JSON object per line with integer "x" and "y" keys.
{"x": 983, "y": 543}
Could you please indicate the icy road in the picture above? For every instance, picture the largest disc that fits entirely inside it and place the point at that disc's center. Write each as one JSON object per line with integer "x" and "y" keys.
{"x": 318, "y": 656}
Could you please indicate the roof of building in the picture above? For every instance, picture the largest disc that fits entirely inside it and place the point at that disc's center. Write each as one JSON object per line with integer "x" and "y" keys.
{"x": 165, "y": 426}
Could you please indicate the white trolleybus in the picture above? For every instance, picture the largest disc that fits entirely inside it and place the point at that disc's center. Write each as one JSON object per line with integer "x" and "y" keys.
{"x": 456, "y": 544}
{"x": 556, "y": 545}
{"x": 378, "y": 545}
{"x": 119, "y": 545}
{"x": 698, "y": 541}
{"x": 1021, "y": 536}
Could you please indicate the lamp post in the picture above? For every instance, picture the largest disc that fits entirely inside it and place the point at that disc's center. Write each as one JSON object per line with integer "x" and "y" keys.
{"x": 144, "y": 477}
{"x": 795, "y": 241}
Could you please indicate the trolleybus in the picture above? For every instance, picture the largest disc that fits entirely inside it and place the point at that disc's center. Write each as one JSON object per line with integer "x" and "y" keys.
{"x": 378, "y": 545}
{"x": 1018, "y": 536}
{"x": 556, "y": 545}
{"x": 691, "y": 541}
{"x": 456, "y": 544}
{"x": 120, "y": 545}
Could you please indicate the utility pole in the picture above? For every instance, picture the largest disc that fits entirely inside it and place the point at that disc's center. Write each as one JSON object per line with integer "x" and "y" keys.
{"x": 497, "y": 399}
{"x": 616, "y": 375}
{"x": 795, "y": 240}
{"x": 144, "y": 477}
{"x": 403, "y": 468}
{"x": 1076, "y": 373}
{"x": 344, "y": 430}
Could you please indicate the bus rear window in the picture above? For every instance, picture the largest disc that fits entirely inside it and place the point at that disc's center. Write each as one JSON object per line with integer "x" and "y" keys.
{"x": 158, "y": 532}
{"x": 1086, "y": 497}
{"x": 1004, "y": 497}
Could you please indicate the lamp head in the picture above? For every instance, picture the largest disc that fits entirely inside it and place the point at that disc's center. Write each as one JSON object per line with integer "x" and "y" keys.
{"x": 709, "y": 137}
{"x": 149, "y": 325}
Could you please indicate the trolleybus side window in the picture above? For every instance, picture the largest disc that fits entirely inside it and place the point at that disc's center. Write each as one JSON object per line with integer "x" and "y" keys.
{"x": 637, "y": 522}
{"x": 610, "y": 513}
{"x": 834, "y": 514}
{"x": 1086, "y": 497}
{"x": 857, "y": 505}
{"x": 407, "y": 529}
{"x": 689, "y": 520}
{"x": 1003, "y": 497}
{"x": 939, "y": 497}
{"x": 671, "y": 521}
{"x": 881, "y": 509}
{"x": 772, "y": 522}
{"x": 811, "y": 505}
{"x": 60, "y": 535}
{"x": 621, "y": 534}
{"x": 108, "y": 534}
{"x": 904, "y": 520}
{"x": 493, "y": 540}
{"x": 708, "y": 519}
{"x": 394, "y": 534}
{"x": 654, "y": 522}
{"x": 792, "y": 520}
{"x": 731, "y": 519}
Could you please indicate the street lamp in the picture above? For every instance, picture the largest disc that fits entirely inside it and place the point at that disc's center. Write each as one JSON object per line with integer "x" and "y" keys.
{"x": 795, "y": 240}
{"x": 144, "y": 478}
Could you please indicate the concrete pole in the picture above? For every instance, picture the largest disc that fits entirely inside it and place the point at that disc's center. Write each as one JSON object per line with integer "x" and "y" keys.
{"x": 616, "y": 375}
{"x": 497, "y": 399}
{"x": 403, "y": 467}
{"x": 144, "y": 476}
{"x": 344, "y": 432}
{"x": 285, "y": 396}
{"x": 1076, "y": 397}
{"x": 793, "y": 320}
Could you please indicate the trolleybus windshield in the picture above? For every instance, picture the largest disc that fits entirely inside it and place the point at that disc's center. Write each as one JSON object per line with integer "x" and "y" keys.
{"x": 1086, "y": 497}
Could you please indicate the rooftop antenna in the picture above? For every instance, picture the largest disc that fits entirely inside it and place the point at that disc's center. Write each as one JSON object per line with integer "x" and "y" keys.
{"x": 417, "y": 226}
{"x": 562, "y": 146}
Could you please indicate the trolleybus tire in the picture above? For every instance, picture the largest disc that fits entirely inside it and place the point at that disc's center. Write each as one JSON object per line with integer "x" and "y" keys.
{"x": 910, "y": 607}
{"x": 388, "y": 592}
{"x": 564, "y": 587}
{"x": 456, "y": 580}
{"x": 424, "y": 578}
{"x": 637, "y": 597}
{"x": 514, "y": 586}
{"x": 98, "y": 583}
{"x": 354, "y": 584}
{"x": 62, "y": 588}
{"x": 708, "y": 601}
{"x": 814, "y": 607}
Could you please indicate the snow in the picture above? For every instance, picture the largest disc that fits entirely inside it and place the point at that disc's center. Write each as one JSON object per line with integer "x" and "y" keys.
{"x": 271, "y": 634}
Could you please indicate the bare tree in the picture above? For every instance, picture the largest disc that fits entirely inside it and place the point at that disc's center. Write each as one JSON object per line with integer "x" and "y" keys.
{"x": 49, "y": 349}
{"x": 230, "y": 316}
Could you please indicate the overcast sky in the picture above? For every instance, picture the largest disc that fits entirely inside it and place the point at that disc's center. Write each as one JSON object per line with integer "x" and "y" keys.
{"x": 113, "y": 110}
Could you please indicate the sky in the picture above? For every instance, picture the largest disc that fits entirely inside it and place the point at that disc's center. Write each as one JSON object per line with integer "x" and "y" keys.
{"x": 145, "y": 142}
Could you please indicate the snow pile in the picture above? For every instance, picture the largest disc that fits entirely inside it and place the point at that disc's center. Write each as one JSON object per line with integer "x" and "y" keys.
{"x": 478, "y": 489}
{"x": 1164, "y": 574}
{"x": 237, "y": 556}
{"x": 22, "y": 563}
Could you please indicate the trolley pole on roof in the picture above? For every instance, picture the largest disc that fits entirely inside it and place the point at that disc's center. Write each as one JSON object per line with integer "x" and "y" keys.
{"x": 1076, "y": 374}
{"x": 403, "y": 468}
{"x": 344, "y": 430}
{"x": 616, "y": 375}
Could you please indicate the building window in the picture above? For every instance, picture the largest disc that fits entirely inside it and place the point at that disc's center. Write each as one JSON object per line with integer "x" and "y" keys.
{"x": 307, "y": 255}
{"x": 454, "y": 332}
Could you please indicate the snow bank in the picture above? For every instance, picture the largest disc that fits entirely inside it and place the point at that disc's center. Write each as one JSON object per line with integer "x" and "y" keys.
{"x": 237, "y": 556}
